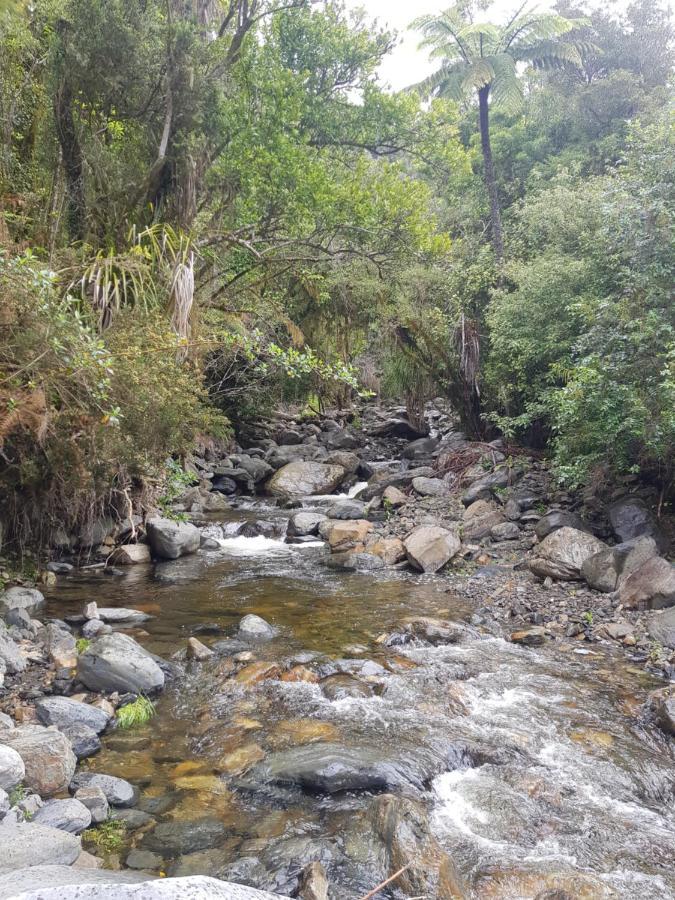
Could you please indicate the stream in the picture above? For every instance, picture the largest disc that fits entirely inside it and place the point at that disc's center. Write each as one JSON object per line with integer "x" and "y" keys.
{"x": 534, "y": 764}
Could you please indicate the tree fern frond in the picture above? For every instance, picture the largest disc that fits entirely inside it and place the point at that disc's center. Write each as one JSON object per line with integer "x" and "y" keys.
{"x": 507, "y": 89}
{"x": 478, "y": 75}
{"x": 446, "y": 81}
{"x": 548, "y": 54}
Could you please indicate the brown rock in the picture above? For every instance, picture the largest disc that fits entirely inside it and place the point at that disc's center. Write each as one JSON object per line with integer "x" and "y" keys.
{"x": 257, "y": 672}
{"x": 313, "y": 883}
{"x": 430, "y": 547}
{"x": 294, "y": 732}
{"x": 390, "y": 550}
{"x": 530, "y": 637}
{"x": 345, "y": 535}
{"x": 239, "y": 761}
{"x": 197, "y": 650}
{"x": 652, "y": 586}
{"x": 300, "y": 673}
{"x": 393, "y": 497}
{"x": 131, "y": 555}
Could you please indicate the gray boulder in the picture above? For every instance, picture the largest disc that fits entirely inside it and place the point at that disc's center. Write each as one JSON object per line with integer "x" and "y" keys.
{"x": 177, "y": 837}
{"x": 479, "y": 520}
{"x": 255, "y": 628}
{"x": 66, "y": 815}
{"x": 349, "y": 461}
{"x": 346, "y": 509}
{"x": 430, "y": 487}
{"x": 605, "y": 570}
{"x": 661, "y": 627}
{"x": 420, "y": 449}
{"x": 47, "y": 756}
{"x": 652, "y": 586}
{"x": 20, "y": 598}
{"x": 12, "y": 769}
{"x": 305, "y": 478}
{"x": 665, "y": 715}
{"x": 169, "y": 539}
{"x": 29, "y": 844}
{"x": 483, "y": 488}
{"x": 562, "y": 554}
{"x": 10, "y": 656}
{"x": 116, "y": 662}
{"x": 430, "y": 547}
{"x": 555, "y": 519}
{"x": 119, "y": 615}
{"x": 505, "y": 531}
{"x": 355, "y": 562}
{"x": 84, "y": 740}
{"x": 630, "y": 518}
{"x": 63, "y": 712}
{"x": 117, "y": 791}
{"x": 95, "y": 800}
{"x": 305, "y": 523}
{"x": 5, "y": 805}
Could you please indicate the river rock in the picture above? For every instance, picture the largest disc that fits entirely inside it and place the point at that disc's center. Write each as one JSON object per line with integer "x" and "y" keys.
{"x": 84, "y": 740}
{"x": 430, "y": 547}
{"x": 652, "y": 586}
{"x": 606, "y": 569}
{"x": 117, "y": 791}
{"x": 665, "y": 714}
{"x": 346, "y": 509}
{"x": 340, "y": 439}
{"x": 483, "y": 488}
{"x": 66, "y": 815}
{"x": 422, "y": 448}
{"x": 562, "y": 554}
{"x": 506, "y": 531}
{"x": 403, "y": 827}
{"x": 20, "y": 598}
{"x": 143, "y": 859}
{"x": 555, "y": 519}
{"x": 347, "y": 535}
{"x": 5, "y": 804}
{"x": 169, "y": 539}
{"x": 120, "y": 615}
{"x": 130, "y": 555}
{"x": 198, "y": 651}
{"x": 401, "y": 428}
{"x": 661, "y": 627}
{"x": 60, "y": 646}
{"x": 47, "y": 756}
{"x": 255, "y": 628}
{"x": 343, "y": 687}
{"x": 178, "y": 837}
{"x": 95, "y": 800}
{"x": 305, "y": 478}
{"x": 630, "y": 518}
{"x": 304, "y": 523}
{"x": 12, "y": 769}
{"x": 393, "y": 497}
{"x": 479, "y": 520}
{"x": 390, "y": 550}
{"x": 349, "y": 461}
{"x": 31, "y": 844}
{"x": 11, "y": 658}
{"x": 64, "y": 712}
{"x": 355, "y": 561}
{"x": 430, "y": 487}
{"x": 313, "y": 882}
{"x": 384, "y": 478}
{"x": 530, "y": 637}
{"x": 116, "y": 662}
{"x": 289, "y": 437}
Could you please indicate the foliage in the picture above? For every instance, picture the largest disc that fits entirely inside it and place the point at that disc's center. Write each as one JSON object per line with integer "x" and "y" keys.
{"x": 106, "y": 838}
{"x": 82, "y": 644}
{"x": 137, "y": 713}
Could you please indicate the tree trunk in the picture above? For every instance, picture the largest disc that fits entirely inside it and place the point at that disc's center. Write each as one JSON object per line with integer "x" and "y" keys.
{"x": 73, "y": 163}
{"x": 488, "y": 167}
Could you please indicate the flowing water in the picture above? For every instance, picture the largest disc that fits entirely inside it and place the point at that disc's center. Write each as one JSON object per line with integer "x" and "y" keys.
{"x": 549, "y": 777}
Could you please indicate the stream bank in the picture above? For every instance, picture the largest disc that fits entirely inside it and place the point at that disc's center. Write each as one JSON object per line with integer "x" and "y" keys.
{"x": 377, "y": 715}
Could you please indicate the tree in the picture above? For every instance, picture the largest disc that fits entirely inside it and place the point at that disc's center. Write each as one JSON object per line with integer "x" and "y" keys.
{"x": 482, "y": 57}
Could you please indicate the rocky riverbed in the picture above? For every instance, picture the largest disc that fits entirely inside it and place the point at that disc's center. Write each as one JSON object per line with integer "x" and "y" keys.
{"x": 370, "y": 649}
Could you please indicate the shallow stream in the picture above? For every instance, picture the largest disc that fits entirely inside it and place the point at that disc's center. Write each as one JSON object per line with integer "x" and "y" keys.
{"x": 550, "y": 778}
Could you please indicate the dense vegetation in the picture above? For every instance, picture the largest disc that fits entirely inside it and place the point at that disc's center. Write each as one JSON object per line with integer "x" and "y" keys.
{"x": 206, "y": 207}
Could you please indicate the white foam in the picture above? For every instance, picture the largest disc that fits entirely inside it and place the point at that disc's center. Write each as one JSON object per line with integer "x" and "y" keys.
{"x": 252, "y": 546}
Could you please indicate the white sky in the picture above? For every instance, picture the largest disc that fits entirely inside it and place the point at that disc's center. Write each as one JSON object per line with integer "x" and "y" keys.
{"x": 406, "y": 64}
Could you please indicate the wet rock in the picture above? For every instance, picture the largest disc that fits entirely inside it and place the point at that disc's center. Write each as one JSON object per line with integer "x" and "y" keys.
{"x": 393, "y": 497}
{"x": 305, "y": 478}
{"x": 95, "y": 800}
{"x": 562, "y": 554}
{"x": 66, "y": 815}
{"x": 119, "y": 615}
{"x": 29, "y": 844}
{"x": 256, "y": 529}
{"x": 131, "y": 555}
{"x": 402, "y": 826}
{"x": 484, "y": 488}
{"x": 133, "y": 819}
{"x": 169, "y": 539}
{"x": 346, "y": 509}
{"x": 343, "y": 687}
{"x": 257, "y": 672}
{"x": 12, "y": 769}
{"x": 143, "y": 859}
{"x": 430, "y": 487}
{"x": 116, "y": 662}
{"x": 661, "y": 628}
{"x": 349, "y": 534}
{"x": 665, "y": 714}
{"x": 240, "y": 760}
{"x": 255, "y": 628}
{"x": 529, "y": 637}
{"x": 313, "y": 883}
{"x": 430, "y": 547}
{"x": 117, "y": 791}
{"x": 295, "y": 732}
{"x": 506, "y": 531}
{"x": 432, "y": 631}
{"x": 47, "y": 756}
{"x": 20, "y": 598}
{"x": 630, "y": 518}
{"x": 652, "y": 586}
{"x": 197, "y": 650}
{"x": 230, "y": 647}
{"x": 355, "y": 561}
{"x": 555, "y": 519}
{"x": 390, "y": 550}
{"x": 606, "y": 569}
{"x": 178, "y": 837}
{"x": 64, "y": 712}
{"x": 304, "y": 523}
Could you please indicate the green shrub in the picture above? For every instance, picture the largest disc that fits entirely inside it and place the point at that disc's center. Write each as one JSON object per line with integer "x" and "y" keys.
{"x": 137, "y": 713}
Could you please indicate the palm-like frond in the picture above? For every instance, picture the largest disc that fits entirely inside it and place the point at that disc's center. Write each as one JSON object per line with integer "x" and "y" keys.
{"x": 446, "y": 81}
{"x": 548, "y": 54}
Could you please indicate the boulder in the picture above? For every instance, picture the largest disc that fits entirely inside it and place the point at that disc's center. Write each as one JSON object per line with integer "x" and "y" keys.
{"x": 169, "y": 539}
{"x": 64, "y": 712}
{"x": 355, "y": 561}
{"x": 257, "y": 469}
{"x": 130, "y": 555}
{"x": 174, "y": 838}
{"x": 84, "y": 740}
{"x": 665, "y": 715}
{"x": 278, "y": 457}
{"x": 12, "y": 769}
{"x": 349, "y": 461}
{"x": 652, "y": 586}
{"x": 305, "y": 478}
{"x": 60, "y": 646}
{"x": 346, "y": 509}
{"x": 555, "y": 519}
{"x": 255, "y": 628}
{"x": 47, "y": 756}
{"x": 119, "y": 615}
{"x": 479, "y": 520}
{"x": 347, "y": 535}
{"x": 390, "y": 550}
{"x": 661, "y": 627}
{"x": 313, "y": 882}
{"x": 340, "y": 439}
{"x": 483, "y": 488}
{"x": 505, "y": 531}
{"x": 20, "y": 598}
{"x": 605, "y": 570}
{"x": 66, "y": 815}
{"x": 422, "y": 448}
{"x": 29, "y": 844}
{"x": 116, "y": 662}
{"x": 117, "y": 791}
{"x": 399, "y": 427}
{"x": 96, "y": 802}
{"x": 11, "y": 658}
{"x": 393, "y": 497}
{"x": 430, "y": 487}
{"x": 630, "y": 518}
{"x": 562, "y": 554}
{"x": 304, "y": 523}
{"x": 430, "y": 547}
{"x": 384, "y": 478}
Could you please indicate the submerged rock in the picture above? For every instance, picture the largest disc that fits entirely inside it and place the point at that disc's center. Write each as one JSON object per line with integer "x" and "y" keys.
{"x": 178, "y": 837}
